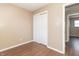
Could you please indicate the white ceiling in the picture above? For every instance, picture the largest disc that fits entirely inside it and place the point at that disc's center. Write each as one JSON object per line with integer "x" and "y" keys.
{"x": 31, "y": 6}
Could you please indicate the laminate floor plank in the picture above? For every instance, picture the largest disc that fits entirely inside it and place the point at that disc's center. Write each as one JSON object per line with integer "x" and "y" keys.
{"x": 30, "y": 49}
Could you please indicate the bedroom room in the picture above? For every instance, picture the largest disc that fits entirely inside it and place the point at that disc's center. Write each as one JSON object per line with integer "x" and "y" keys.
{"x": 32, "y": 29}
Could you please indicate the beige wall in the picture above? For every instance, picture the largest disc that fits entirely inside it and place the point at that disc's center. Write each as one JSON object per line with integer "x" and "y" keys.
{"x": 55, "y": 25}
{"x": 15, "y": 25}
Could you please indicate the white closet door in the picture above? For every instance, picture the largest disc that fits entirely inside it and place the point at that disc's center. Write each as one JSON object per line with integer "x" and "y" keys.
{"x": 44, "y": 28}
{"x": 40, "y": 27}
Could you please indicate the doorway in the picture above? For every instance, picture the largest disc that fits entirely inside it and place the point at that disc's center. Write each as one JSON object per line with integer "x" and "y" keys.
{"x": 40, "y": 27}
{"x": 72, "y": 48}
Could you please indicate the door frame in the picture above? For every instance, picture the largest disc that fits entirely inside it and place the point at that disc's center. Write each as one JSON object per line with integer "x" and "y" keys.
{"x": 43, "y": 12}
{"x": 68, "y": 25}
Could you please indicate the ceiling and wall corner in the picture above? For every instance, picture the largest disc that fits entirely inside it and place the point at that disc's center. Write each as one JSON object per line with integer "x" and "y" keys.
{"x": 31, "y": 6}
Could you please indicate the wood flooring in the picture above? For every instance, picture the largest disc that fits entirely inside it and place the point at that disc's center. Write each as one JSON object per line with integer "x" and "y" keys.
{"x": 30, "y": 49}
{"x": 72, "y": 47}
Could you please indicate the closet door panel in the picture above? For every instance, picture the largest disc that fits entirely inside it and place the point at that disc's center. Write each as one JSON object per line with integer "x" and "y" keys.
{"x": 40, "y": 28}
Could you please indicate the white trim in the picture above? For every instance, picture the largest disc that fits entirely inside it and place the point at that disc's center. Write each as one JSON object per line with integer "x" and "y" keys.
{"x": 63, "y": 37}
{"x": 15, "y": 46}
{"x": 39, "y": 42}
{"x": 56, "y": 50}
{"x": 29, "y": 42}
{"x": 52, "y": 48}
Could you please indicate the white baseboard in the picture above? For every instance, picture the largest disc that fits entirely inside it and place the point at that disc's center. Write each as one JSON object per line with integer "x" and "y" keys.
{"x": 52, "y": 48}
{"x": 15, "y": 46}
{"x": 26, "y": 43}
{"x": 62, "y": 52}
{"x": 39, "y": 42}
